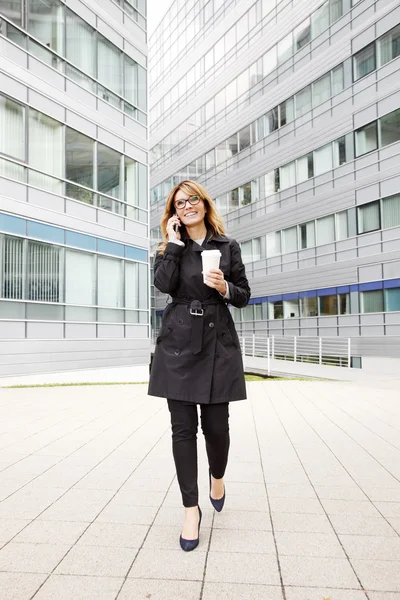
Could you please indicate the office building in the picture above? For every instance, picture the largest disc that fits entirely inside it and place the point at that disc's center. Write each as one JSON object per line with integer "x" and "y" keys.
{"x": 73, "y": 185}
{"x": 289, "y": 113}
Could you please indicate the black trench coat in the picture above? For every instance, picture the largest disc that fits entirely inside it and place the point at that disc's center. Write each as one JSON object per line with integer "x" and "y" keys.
{"x": 198, "y": 358}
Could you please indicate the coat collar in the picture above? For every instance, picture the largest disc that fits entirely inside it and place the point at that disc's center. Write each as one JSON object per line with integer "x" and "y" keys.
{"x": 208, "y": 242}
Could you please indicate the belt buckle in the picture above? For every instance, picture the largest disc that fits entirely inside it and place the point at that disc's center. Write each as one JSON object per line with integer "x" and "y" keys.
{"x": 197, "y": 312}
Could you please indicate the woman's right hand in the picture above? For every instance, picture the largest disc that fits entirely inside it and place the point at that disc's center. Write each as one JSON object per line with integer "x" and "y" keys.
{"x": 172, "y": 234}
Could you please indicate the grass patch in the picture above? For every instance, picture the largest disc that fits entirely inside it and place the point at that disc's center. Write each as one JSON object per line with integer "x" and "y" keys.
{"x": 87, "y": 383}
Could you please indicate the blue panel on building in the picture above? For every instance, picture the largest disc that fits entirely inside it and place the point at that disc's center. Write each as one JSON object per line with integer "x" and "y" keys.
{"x": 292, "y": 296}
{"x": 47, "y": 233}
{"x": 372, "y": 285}
{"x": 274, "y": 298}
{"x": 343, "y": 289}
{"x": 308, "y": 294}
{"x": 391, "y": 283}
{"x": 354, "y": 288}
{"x": 11, "y": 224}
{"x": 136, "y": 253}
{"x": 80, "y": 240}
{"x": 326, "y": 292}
{"x": 110, "y": 247}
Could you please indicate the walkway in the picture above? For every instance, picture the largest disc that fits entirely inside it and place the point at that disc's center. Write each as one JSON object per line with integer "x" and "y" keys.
{"x": 90, "y": 508}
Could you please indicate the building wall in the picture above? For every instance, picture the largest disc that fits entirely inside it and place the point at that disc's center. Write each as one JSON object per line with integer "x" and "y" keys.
{"x": 73, "y": 186}
{"x": 261, "y": 188}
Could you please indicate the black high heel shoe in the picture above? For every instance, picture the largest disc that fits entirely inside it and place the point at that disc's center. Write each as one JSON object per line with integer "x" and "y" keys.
{"x": 189, "y": 545}
{"x": 217, "y": 504}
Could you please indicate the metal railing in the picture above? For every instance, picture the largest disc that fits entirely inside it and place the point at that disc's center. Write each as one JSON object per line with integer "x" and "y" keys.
{"x": 326, "y": 351}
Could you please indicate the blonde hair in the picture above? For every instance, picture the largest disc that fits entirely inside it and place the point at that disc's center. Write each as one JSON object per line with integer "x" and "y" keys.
{"x": 212, "y": 219}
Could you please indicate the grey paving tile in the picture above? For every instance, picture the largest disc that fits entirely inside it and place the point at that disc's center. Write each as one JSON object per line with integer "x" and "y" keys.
{"x": 317, "y": 572}
{"x": 389, "y": 509}
{"x": 173, "y": 517}
{"x": 371, "y": 547}
{"x": 77, "y": 505}
{"x": 360, "y": 525}
{"x": 296, "y": 505}
{"x": 156, "y": 589}
{"x": 167, "y": 538}
{"x": 10, "y": 527}
{"x": 66, "y": 587}
{"x": 238, "y": 540}
{"x": 97, "y": 561}
{"x": 19, "y": 586}
{"x": 246, "y": 502}
{"x": 308, "y": 544}
{"x": 303, "y": 593}
{"x": 285, "y": 490}
{"x": 335, "y": 492}
{"x": 245, "y": 472}
{"x": 350, "y": 507}
{"x": 395, "y": 523}
{"x": 301, "y": 523}
{"x": 237, "y": 591}
{"x": 126, "y": 513}
{"x": 378, "y": 575}
{"x": 384, "y": 494}
{"x": 31, "y": 558}
{"x": 51, "y": 532}
{"x": 117, "y": 535}
{"x": 236, "y": 519}
{"x": 229, "y": 567}
{"x": 147, "y": 484}
{"x": 384, "y": 595}
{"x": 169, "y": 564}
{"x": 26, "y": 504}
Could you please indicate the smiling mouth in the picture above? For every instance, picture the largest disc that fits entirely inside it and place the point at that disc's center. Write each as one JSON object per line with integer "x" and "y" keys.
{"x": 191, "y": 214}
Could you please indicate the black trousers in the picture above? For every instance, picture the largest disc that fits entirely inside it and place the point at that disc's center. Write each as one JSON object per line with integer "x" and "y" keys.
{"x": 215, "y": 426}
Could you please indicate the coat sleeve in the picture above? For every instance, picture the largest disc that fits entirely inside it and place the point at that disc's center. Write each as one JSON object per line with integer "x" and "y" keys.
{"x": 167, "y": 268}
{"x": 239, "y": 289}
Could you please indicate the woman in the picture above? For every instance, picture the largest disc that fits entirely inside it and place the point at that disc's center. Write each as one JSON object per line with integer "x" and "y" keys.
{"x": 197, "y": 358}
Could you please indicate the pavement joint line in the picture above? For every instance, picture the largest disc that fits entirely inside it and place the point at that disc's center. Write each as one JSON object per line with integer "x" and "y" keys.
{"x": 206, "y": 559}
{"x": 84, "y": 531}
{"x": 340, "y": 462}
{"x": 83, "y": 476}
{"x": 268, "y": 499}
{"x": 317, "y": 495}
{"x": 68, "y": 455}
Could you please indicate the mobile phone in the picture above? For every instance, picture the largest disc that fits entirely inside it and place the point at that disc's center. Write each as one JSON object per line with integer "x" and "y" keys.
{"x": 176, "y": 227}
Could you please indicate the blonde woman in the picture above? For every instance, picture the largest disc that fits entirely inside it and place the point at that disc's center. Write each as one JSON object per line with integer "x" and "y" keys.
{"x": 197, "y": 358}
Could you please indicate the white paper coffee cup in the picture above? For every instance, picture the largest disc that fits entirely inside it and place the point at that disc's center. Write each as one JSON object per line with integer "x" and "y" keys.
{"x": 210, "y": 259}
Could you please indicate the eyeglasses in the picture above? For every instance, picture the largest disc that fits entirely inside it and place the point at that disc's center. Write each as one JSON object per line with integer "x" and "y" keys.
{"x": 181, "y": 203}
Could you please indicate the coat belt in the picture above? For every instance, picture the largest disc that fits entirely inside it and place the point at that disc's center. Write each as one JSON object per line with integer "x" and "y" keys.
{"x": 197, "y": 312}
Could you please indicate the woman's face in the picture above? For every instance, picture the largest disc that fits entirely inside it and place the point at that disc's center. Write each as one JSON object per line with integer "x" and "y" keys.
{"x": 189, "y": 214}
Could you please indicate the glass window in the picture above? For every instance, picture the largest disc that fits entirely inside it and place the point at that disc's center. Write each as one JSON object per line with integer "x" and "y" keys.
{"x": 108, "y": 171}
{"x": 391, "y": 212}
{"x": 392, "y": 299}
{"x": 289, "y": 240}
{"x": 80, "y": 278}
{"x": 13, "y": 268}
{"x": 286, "y": 112}
{"x": 222, "y": 151}
{"x": 364, "y": 62}
{"x": 45, "y": 150}
{"x": 368, "y": 217}
{"x": 79, "y": 158}
{"x": 323, "y": 160}
{"x": 80, "y": 44}
{"x": 46, "y": 23}
{"x": 269, "y": 61}
{"x": 366, "y": 139}
{"x": 321, "y": 89}
{"x": 328, "y": 305}
{"x": 232, "y": 145}
{"x": 210, "y": 160}
{"x": 258, "y": 248}
{"x": 336, "y": 9}
{"x": 305, "y": 168}
{"x": 342, "y": 226}
{"x": 272, "y": 120}
{"x": 131, "y": 186}
{"x": 220, "y": 102}
{"x": 285, "y": 48}
{"x": 12, "y": 129}
{"x": 287, "y": 175}
{"x": 302, "y": 35}
{"x": 339, "y": 152}
{"x": 43, "y": 272}
{"x": 372, "y": 301}
{"x": 246, "y": 192}
{"x": 247, "y": 251}
{"x": 303, "y": 101}
{"x": 307, "y": 235}
{"x": 230, "y": 39}
{"x": 275, "y": 310}
{"x": 389, "y": 127}
{"x": 13, "y": 11}
{"x": 244, "y": 138}
{"x": 389, "y": 46}
{"x": 326, "y": 230}
{"x": 234, "y": 198}
{"x": 109, "y": 65}
{"x": 243, "y": 82}
{"x": 344, "y": 304}
{"x": 320, "y": 20}
{"x": 131, "y": 80}
{"x": 273, "y": 243}
{"x": 337, "y": 80}
{"x": 109, "y": 282}
{"x": 309, "y": 307}
{"x": 291, "y": 309}
{"x": 269, "y": 184}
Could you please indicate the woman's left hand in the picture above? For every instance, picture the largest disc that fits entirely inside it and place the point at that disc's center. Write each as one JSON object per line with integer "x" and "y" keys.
{"x": 215, "y": 279}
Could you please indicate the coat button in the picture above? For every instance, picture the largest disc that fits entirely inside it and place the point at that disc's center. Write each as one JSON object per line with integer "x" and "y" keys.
{"x": 177, "y": 352}
{"x": 180, "y": 321}
{"x": 211, "y": 325}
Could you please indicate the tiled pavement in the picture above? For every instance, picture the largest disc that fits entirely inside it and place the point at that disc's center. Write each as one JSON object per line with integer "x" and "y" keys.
{"x": 90, "y": 508}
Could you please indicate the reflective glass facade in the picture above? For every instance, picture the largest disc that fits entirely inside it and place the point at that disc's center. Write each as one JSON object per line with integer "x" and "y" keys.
{"x": 74, "y": 219}
{"x": 290, "y": 116}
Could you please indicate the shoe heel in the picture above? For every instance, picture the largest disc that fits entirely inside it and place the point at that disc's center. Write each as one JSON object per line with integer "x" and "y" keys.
{"x": 189, "y": 545}
{"x": 217, "y": 504}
